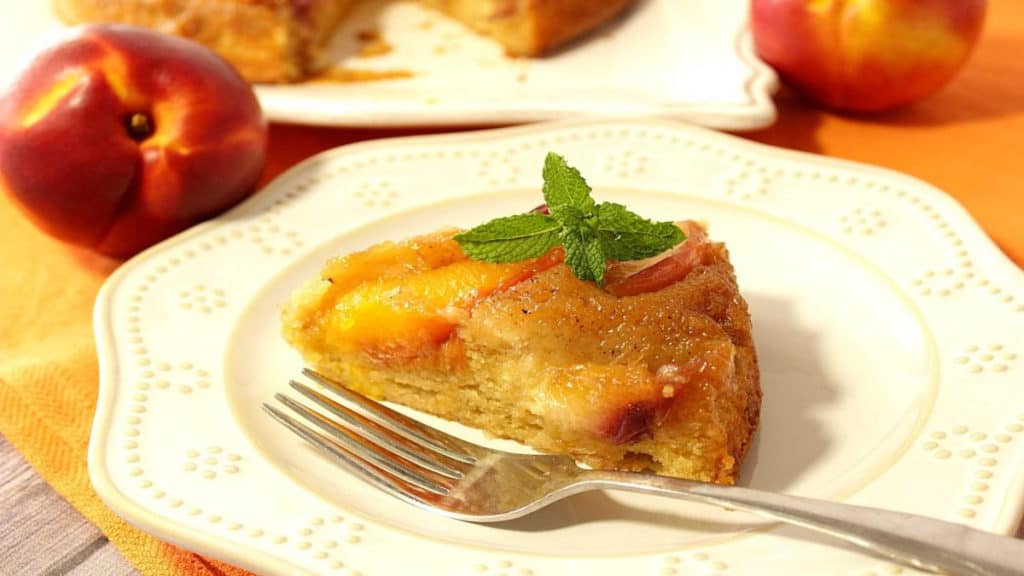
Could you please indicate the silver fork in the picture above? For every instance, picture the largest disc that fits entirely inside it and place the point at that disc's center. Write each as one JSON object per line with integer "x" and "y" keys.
{"x": 436, "y": 471}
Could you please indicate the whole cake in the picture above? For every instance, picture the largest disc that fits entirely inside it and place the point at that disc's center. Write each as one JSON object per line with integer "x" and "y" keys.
{"x": 283, "y": 40}
{"x": 655, "y": 369}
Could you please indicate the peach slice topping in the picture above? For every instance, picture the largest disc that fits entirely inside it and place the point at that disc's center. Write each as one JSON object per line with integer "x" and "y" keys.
{"x": 400, "y": 301}
{"x": 397, "y": 302}
{"x": 653, "y": 274}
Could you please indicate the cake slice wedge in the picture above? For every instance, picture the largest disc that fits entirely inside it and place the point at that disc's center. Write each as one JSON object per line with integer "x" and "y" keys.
{"x": 529, "y": 27}
{"x": 265, "y": 40}
{"x": 655, "y": 370}
{"x": 286, "y": 40}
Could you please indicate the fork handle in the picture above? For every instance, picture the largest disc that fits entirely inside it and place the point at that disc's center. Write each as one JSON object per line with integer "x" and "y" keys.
{"x": 924, "y": 543}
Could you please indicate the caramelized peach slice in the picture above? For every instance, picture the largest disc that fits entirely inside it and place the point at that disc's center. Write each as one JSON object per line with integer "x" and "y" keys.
{"x": 402, "y": 301}
{"x": 630, "y": 398}
{"x": 391, "y": 259}
{"x": 633, "y": 400}
{"x": 653, "y": 274}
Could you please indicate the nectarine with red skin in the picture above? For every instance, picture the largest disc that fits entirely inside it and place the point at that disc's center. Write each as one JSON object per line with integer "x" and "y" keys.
{"x": 117, "y": 137}
{"x": 866, "y": 55}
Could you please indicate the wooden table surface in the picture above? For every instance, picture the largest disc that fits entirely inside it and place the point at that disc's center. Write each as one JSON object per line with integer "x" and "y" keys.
{"x": 41, "y": 534}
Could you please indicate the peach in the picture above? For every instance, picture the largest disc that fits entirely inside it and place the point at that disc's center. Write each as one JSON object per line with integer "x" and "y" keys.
{"x": 866, "y": 55}
{"x": 397, "y": 302}
{"x": 653, "y": 274}
{"x": 116, "y": 137}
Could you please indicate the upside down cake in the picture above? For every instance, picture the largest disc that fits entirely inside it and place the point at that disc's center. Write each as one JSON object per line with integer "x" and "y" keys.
{"x": 284, "y": 40}
{"x": 655, "y": 370}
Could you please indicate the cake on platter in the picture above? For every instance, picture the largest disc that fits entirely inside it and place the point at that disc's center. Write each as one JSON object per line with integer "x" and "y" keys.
{"x": 284, "y": 40}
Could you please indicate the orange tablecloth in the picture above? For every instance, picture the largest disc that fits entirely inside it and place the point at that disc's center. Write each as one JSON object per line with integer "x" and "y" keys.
{"x": 966, "y": 140}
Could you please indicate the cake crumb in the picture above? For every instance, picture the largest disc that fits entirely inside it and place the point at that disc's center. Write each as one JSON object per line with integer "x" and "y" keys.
{"x": 349, "y": 75}
{"x": 668, "y": 391}
{"x": 373, "y": 44}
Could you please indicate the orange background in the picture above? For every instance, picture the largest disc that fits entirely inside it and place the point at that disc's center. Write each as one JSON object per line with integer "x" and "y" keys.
{"x": 967, "y": 140}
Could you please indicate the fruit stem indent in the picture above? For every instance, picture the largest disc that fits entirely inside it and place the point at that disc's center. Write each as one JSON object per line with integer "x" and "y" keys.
{"x": 139, "y": 126}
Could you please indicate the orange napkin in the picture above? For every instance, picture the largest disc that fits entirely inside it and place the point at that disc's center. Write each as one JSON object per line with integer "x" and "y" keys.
{"x": 48, "y": 377}
{"x": 966, "y": 140}
{"x": 48, "y": 365}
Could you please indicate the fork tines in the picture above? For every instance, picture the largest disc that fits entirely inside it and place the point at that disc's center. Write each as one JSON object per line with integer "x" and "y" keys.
{"x": 391, "y": 451}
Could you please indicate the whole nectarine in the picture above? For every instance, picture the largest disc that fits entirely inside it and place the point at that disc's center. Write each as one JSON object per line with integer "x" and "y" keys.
{"x": 866, "y": 55}
{"x": 116, "y": 137}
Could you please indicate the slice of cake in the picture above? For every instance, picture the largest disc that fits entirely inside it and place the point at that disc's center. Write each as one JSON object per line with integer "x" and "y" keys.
{"x": 284, "y": 40}
{"x": 530, "y": 27}
{"x": 655, "y": 370}
{"x": 265, "y": 40}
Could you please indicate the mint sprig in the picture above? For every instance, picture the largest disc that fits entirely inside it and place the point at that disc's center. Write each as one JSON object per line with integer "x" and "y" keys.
{"x": 627, "y": 236}
{"x": 566, "y": 193}
{"x": 591, "y": 233}
{"x": 512, "y": 238}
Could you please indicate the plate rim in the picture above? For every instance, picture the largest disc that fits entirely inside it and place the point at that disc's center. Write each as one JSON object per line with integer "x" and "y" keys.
{"x": 1007, "y": 519}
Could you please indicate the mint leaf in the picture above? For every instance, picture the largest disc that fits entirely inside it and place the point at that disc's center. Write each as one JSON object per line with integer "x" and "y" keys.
{"x": 572, "y": 218}
{"x": 583, "y": 255}
{"x": 511, "y": 239}
{"x": 625, "y": 235}
{"x": 591, "y": 233}
{"x": 596, "y": 259}
{"x": 566, "y": 192}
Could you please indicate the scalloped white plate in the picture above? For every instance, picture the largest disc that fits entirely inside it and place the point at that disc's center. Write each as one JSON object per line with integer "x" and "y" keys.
{"x": 686, "y": 59}
{"x": 890, "y": 332}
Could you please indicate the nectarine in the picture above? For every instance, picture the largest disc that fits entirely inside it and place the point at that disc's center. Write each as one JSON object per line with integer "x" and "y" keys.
{"x": 866, "y": 55}
{"x": 116, "y": 137}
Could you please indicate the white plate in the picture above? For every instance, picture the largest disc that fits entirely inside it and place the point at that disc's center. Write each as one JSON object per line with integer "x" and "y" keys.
{"x": 890, "y": 332}
{"x": 686, "y": 59}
